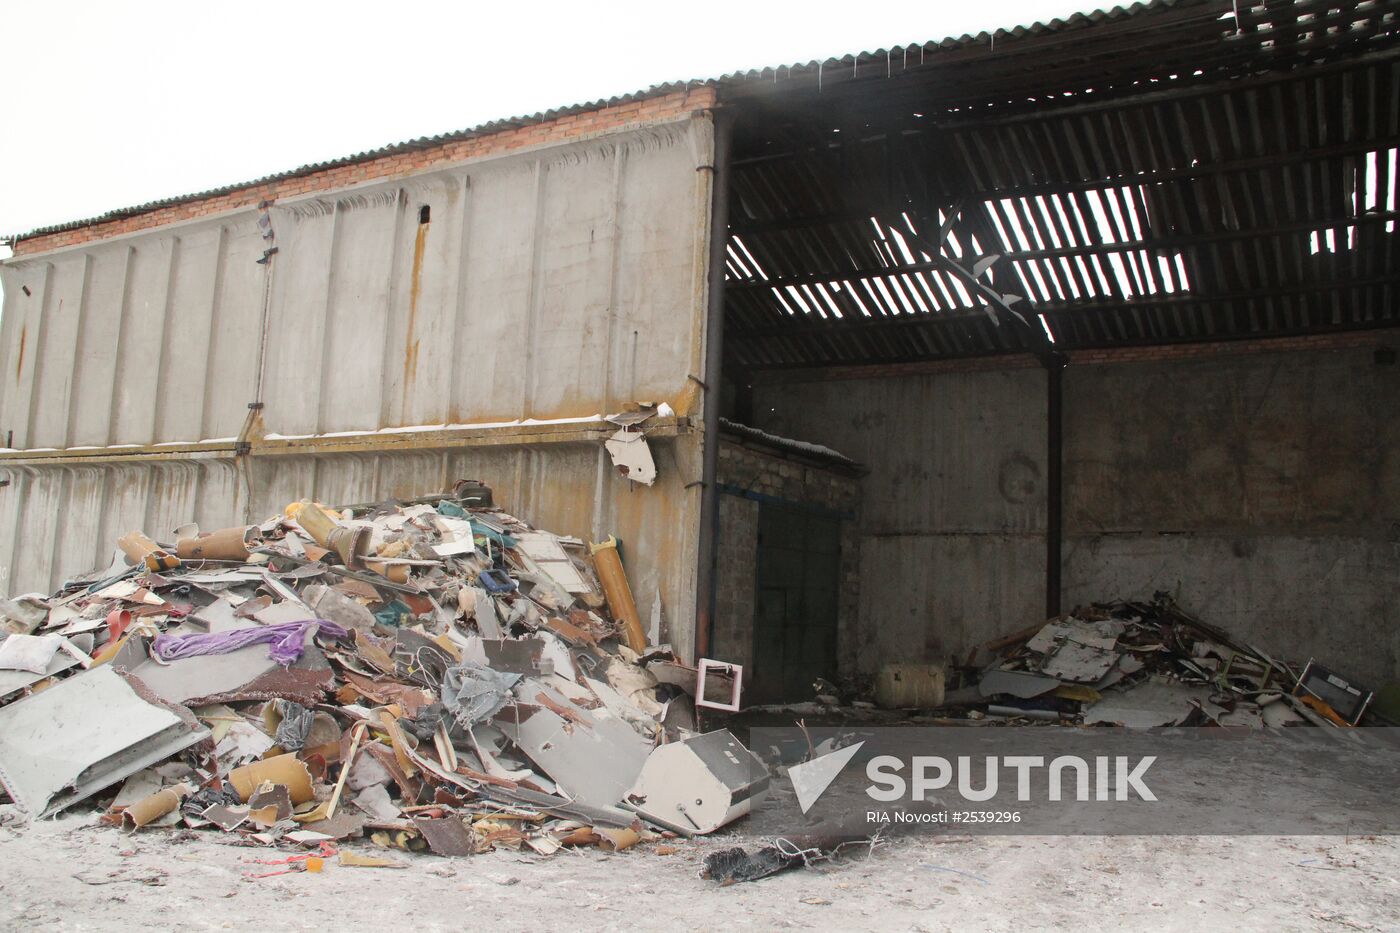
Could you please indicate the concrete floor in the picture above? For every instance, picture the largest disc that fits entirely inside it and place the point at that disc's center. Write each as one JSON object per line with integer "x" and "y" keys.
{"x": 955, "y": 883}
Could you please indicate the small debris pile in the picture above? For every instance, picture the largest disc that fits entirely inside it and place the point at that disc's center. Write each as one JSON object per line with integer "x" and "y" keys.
{"x": 1144, "y": 665}
{"x": 433, "y": 674}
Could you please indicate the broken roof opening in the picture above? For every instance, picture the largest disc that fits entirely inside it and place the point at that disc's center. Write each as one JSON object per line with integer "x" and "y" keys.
{"x": 1171, "y": 172}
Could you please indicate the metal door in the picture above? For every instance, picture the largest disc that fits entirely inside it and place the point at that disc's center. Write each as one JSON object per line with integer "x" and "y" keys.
{"x": 795, "y": 612}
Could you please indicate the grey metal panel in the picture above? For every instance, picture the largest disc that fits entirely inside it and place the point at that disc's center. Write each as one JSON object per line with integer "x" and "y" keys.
{"x": 139, "y": 340}
{"x": 554, "y": 283}
{"x": 65, "y": 744}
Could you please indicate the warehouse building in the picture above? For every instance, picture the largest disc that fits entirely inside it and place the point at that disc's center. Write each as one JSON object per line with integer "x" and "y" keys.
{"x": 943, "y": 340}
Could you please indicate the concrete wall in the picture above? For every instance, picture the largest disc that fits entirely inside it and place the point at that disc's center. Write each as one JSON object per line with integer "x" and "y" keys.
{"x": 1260, "y": 485}
{"x": 1262, "y": 489}
{"x": 550, "y": 284}
{"x": 561, "y": 282}
{"x": 950, "y": 527}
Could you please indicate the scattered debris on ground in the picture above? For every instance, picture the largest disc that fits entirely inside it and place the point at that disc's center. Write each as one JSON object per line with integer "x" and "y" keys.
{"x": 1145, "y": 665}
{"x": 1131, "y": 664}
{"x": 427, "y": 675}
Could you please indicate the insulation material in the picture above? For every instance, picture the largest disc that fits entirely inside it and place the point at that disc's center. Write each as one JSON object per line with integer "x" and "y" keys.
{"x": 631, "y": 456}
{"x": 28, "y": 653}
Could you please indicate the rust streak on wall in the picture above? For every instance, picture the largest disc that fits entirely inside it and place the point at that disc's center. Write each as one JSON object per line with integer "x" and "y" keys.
{"x": 410, "y": 356}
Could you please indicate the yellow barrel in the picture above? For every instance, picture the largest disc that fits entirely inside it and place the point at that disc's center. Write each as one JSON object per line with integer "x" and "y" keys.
{"x": 909, "y": 686}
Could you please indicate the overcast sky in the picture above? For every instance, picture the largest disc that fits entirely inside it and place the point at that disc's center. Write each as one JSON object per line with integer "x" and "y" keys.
{"x": 112, "y": 104}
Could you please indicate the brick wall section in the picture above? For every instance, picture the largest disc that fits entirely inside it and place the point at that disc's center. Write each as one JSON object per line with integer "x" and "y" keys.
{"x": 735, "y": 583}
{"x": 1342, "y": 340}
{"x": 776, "y": 475}
{"x": 396, "y": 165}
{"x": 773, "y": 474}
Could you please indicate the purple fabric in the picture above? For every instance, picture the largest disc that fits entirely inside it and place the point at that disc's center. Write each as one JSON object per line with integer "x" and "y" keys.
{"x": 284, "y": 640}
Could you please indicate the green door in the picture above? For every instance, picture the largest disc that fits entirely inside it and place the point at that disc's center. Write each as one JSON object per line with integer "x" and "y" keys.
{"x": 795, "y": 612}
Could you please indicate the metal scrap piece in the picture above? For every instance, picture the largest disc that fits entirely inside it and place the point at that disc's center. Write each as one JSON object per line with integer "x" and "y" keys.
{"x": 1077, "y": 651}
{"x": 83, "y": 735}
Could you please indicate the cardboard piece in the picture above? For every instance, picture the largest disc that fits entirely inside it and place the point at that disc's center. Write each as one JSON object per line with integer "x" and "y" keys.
{"x": 631, "y": 456}
{"x": 448, "y": 837}
{"x": 356, "y": 860}
{"x": 287, "y": 770}
{"x": 225, "y": 544}
{"x": 140, "y": 549}
{"x": 152, "y": 808}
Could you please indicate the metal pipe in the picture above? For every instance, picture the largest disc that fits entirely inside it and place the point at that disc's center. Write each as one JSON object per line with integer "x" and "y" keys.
{"x": 1054, "y": 484}
{"x": 714, "y": 373}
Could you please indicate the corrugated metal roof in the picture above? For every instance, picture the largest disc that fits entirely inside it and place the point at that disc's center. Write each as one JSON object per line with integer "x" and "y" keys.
{"x": 1236, "y": 175}
{"x": 847, "y": 65}
{"x": 902, "y": 57}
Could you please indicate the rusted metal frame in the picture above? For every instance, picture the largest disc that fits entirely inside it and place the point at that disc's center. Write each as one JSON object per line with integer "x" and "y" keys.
{"x": 1111, "y": 88}
{"x": 1380, "y": 325}
{"x": 706, "y": 589}
{"x": 1140, "y": 150}
{"x": 1051, "y": 284}
{"x": 511, "y": 435}
{"x": 1128, "y": 244}
{"x": 1106, "y": 282}
{"x": 1050, "y": 210}
{"x": 818, "y": 249}
{"x": 1149, "y": 302}
{"x": 766, "y": 250}
{"x": 1375, "y": 323}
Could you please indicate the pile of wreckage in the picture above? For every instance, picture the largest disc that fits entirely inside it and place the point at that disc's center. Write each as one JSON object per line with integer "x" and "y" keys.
{"x": 433, "y": 674}
{"x": 1145, "y": 665}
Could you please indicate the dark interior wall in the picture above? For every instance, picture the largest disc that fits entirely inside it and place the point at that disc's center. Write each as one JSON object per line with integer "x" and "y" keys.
{"x": 1262, "y": 489}
{"x": 951, "y": 523}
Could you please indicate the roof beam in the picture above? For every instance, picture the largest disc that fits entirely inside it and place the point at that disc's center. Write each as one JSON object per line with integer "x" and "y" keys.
{"x": 1152, "y": 244}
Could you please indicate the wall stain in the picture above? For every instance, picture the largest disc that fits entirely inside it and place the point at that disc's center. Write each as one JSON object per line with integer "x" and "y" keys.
{"x": 410, "y": 356}
{"x": 19, "y": 367}
{"x": 1019, "y": 479}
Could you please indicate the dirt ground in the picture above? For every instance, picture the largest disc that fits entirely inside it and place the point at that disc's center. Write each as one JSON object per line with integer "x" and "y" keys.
{"x": 70, "y": 874}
